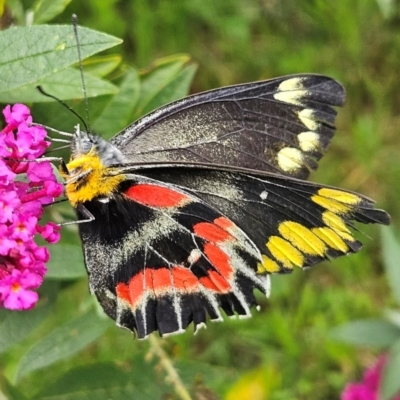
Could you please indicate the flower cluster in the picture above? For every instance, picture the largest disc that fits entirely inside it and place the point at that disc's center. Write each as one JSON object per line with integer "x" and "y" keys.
{"x": 368, "y": 389}
{"x": 25, "y": 187}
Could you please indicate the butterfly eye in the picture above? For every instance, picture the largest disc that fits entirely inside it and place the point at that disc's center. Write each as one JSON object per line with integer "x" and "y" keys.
{"x": 85, "y": 146}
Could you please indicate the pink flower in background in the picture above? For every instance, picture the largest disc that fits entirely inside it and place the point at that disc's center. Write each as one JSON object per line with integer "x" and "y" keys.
{"x": 368, "y": 389}
{"x": 22, "y": 261}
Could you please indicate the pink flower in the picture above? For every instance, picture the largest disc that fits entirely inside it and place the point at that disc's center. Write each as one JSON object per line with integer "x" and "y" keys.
{"x": 50, "y": 232}
{"x": 6, "y": 175}
{"x": 14, "y": 289}
{"x": 22, "y": 261}
{"x": 40, "y": 171}
{"x": 16, "y": 115}
{"x": 368, "y": 389}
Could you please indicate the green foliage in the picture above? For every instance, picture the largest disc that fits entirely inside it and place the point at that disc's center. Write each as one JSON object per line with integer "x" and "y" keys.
{"x": 36, "y": 52}
{"x": 379, "y": 332}
{"x": 287, "y": 350}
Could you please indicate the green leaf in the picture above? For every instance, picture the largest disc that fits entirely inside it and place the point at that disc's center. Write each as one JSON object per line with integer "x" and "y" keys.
{"x": 176, "y": 88}
{"x": 153, "y": 82}
{"x": 106, "y": 381}
{"x": 66, "y": 262}
{"x": 371, "y": 332}
{"x": 116, "y": 115}
{"x": 8, "y": 391}
{"x": 390, "y": 385}
{"x": 393, "y": 316}
{"x": 17, "y": 325}
{"x": 65, "y": 85}
{"x": 34, "y": 52}
{"x": 101, "y": 65}
{"x": 391, "y": 257}
{"x": 17, "y": 11}
{"x": 46, "y": 10}
{"x": 63, "y": 342}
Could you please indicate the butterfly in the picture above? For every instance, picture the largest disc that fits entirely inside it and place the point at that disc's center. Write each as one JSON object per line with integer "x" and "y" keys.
{"x": 191, "y": 208}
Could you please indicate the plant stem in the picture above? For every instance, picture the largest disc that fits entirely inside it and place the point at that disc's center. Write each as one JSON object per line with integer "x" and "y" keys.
{"x": 166, "y": 363}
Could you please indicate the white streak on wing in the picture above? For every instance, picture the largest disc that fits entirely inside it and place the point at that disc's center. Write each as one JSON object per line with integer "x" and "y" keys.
{"x": 144, "y": 298}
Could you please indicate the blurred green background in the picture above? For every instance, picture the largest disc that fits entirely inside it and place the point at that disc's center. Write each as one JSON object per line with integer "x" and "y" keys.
{"x": 285, "y": 351}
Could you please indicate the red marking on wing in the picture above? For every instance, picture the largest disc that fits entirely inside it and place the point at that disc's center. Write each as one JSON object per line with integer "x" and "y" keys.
{"x": 123, "y": 292}
{"x": 217, "y": 280}
{"x": 184, "y": 279}
{"x": 160, "y": 279}
{"x": 224, "y": 223}
{"x": 211, "y": 232}
{"x": 157, "y": 282}
{"x": 219, "y": 259}
{"x": 156, "y": 196}
{"x": 214, "y": 281}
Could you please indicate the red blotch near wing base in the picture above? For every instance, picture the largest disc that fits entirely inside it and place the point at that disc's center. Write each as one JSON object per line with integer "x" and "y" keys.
{"x": 157, "y": 282}
{"x": 156, "y": 196}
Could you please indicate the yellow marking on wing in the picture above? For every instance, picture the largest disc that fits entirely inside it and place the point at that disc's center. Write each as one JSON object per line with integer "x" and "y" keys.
{"x": 303, "y": 238}
{"x": 308, "y": 119}
{"x": 267, "y": 265}
{"x": 284, "y": 252}
{"x": 308, "y": 141}
{"x": 292, "y": 96}
{"x": 291, "y": 84}
{"x": 331, "y": 238}
{"x": 290, "y": 158}
{"x": 98, "y": 183}
{"x": 331, "y": 205}
{"x": 338, "y": 225}
{"x": 339, "y": 195}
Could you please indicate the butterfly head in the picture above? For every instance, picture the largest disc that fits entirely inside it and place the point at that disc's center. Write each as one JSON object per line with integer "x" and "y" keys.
{"x": 92, "y": 171}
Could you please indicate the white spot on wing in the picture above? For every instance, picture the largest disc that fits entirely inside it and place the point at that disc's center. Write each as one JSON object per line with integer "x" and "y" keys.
{"x": 291, "y": 91}
{"x": 291, "y": 84}
{"x": 194, "y": 256}
{"x": 264, "y": 195}
{"x": 309, "y": 141}
{"x": 199, "y": 326}
{"x": 290, "y": 159}
{"x": 308, "y": 119}
{"x": 292, "y": 97}
{"x": 177, "y": 332}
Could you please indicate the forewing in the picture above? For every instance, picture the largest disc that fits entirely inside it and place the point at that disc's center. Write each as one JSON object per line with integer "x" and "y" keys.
{"x": 282, "y": 125}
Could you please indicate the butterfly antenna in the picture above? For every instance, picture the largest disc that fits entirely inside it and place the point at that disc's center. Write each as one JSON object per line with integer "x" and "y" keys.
{"x": 64, "y": 104}
{"x": 75, "y": 25}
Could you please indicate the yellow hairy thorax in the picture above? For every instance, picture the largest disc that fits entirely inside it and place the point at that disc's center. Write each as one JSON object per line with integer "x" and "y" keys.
{"x": 88, "y": 178}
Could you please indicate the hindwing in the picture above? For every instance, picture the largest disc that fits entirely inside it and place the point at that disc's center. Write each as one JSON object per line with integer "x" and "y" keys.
{"x": 167, "y": 259}
{"x": 177, "y": 244}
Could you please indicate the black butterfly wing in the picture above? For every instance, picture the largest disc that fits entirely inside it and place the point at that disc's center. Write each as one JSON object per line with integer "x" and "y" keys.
{"x": 280, "y": 125}
{"x": 175, "y": 244}
{"x": 278, "y": 211}
{"x": 160, "y": 258}
{"x": 209, "y": 204}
